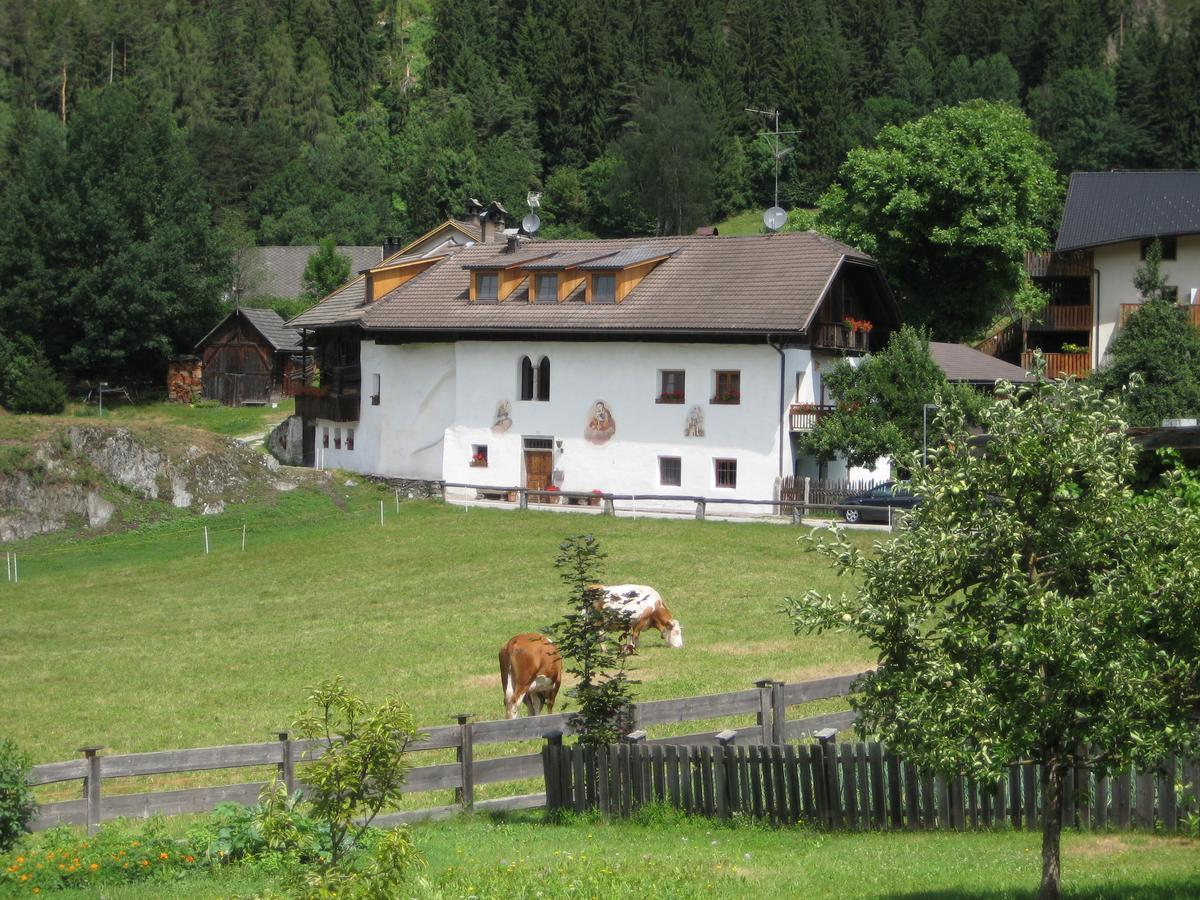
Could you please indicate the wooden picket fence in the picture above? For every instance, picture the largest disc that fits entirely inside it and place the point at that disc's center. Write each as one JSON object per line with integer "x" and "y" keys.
{"x": 823, "y": 491}
{"x": 850, "y": 786}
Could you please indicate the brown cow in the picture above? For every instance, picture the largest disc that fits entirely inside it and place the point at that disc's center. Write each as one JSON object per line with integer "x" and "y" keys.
{"x": 530, "y": 670}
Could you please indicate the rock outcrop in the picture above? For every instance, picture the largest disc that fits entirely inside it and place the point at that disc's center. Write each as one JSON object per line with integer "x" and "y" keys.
{"x": 85, "y": 474}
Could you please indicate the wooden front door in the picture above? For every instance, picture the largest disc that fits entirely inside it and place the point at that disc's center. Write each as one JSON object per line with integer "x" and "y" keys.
{"x": 538, "y": 466}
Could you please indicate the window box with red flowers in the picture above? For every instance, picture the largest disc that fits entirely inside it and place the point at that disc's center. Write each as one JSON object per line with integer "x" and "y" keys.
{"x": 597, "y": 496}
{"x": 670, "y": 397}
{"x": 728, "y": 397}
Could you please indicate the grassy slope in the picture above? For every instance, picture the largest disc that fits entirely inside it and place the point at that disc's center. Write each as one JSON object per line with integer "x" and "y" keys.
{"x": 139, "y": 641}
{"x": 229, "y": 421}
{"x": 672, "y": 857}
{"x": 748, "y": 222}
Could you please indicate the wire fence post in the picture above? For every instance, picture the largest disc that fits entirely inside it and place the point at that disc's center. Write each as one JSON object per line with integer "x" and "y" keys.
{"x": 243, "y": 537}
{"x": 7, "y": 566}
{"x": 381, "y": 513}
{"x": 206, "y": 540}
{"x": 397, "y": 500}
{"x": 16, "y": 571}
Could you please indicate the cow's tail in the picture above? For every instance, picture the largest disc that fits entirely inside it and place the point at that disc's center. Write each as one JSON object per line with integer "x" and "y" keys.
{"x": 509, "y": 688}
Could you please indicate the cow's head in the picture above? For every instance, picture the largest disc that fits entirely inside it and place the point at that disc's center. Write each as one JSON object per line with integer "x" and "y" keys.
{"x": 673, "y": 634}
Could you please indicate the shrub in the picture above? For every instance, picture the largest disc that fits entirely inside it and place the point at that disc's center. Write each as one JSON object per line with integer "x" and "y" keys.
{"x": 17, "y": 806}
{"x": 275, "y": 825}
{"x": 364, "y": 767}
{"x": 27, "y": 383}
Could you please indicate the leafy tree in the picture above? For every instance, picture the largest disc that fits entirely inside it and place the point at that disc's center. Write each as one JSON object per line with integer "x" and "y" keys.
{"x": 880, "y": 403}
{"x": 668, "y": 157}
{"x": 1035, "y": 609}
{"x": 325, "y": 271}
{"x": 108, "y": 257}
{"x": 364, "y": 764}
{"x": 949, "y": 205}
{"x": 1149, "y": 280}
{"x": 593, "y": 641}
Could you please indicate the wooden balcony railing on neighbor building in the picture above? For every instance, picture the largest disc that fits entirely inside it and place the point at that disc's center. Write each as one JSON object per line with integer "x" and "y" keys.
{"x": 804, "y": 416}
{"x": 321, "y": 403}
{"x": 1062, "y": 318}
{"x": 1059, "y": 365}
{"x": 838, "y": 336}
{"x": 1193, "y": 311}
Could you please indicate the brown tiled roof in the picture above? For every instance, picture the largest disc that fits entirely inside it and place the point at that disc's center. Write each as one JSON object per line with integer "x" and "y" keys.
{"x": 268, "y": 323}
{"x": 751, "y": 284}
{"x": 343, "y": 305}
{"x": 282, "y": 268}
{"x": 962, "y": 363}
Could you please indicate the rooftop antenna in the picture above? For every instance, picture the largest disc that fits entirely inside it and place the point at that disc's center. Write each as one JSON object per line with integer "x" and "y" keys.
{"x": 531, "y": 223}
{"x": 775, "y": 217}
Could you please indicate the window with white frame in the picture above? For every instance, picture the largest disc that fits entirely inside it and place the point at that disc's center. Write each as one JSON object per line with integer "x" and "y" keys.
{"x": 533, "y": 382}
{"x": 670, "y": 386}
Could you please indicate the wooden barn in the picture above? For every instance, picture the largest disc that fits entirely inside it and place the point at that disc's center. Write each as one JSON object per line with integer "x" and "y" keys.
{"x": 250, "y": 358}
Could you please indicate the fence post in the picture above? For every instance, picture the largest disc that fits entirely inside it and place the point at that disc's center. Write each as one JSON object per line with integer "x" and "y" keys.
{"x": 807, "y": 496}
{"x": 827, "y": 738}
{"x": 635, "y": 737}
{"x": 465, "y": 754}
{"x": 700, "y": 505}
{"x": 778, "y": 714}
{"x": 91, "y": 787}
{"x": 765, "y": 710}
{"x": 609, "y": 508}
{"x": 522, "y": 498}
{"x": 287, "y": 766}
{"x": 552, "y": 770}
{"x": 724, "y": 772}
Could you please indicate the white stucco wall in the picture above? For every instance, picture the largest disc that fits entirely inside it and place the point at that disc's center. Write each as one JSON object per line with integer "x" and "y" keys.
{"x": 625, "y": 376}
{"x": 1117, "y": 264}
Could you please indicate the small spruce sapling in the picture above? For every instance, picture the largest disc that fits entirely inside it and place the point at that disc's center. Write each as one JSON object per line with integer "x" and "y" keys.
{"x": 594, "y": 643}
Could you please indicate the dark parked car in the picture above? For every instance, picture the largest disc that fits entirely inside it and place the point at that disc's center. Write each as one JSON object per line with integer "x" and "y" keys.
{"x": 872, "y": 505}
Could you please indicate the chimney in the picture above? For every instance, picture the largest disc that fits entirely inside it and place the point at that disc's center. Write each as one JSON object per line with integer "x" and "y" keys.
{"x": 471, "y": 212}
{"x": 491, "y": 221}
{"x": 392, "y": 244}
{"x": 511, "y": 246}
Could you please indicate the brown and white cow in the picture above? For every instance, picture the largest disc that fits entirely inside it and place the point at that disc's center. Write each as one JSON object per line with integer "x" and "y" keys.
{"x": 530, "y": 670}
{"x": 643, "y": 608}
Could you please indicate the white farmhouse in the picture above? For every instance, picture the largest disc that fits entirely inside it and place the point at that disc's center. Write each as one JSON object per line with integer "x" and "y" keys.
{"x": 667, "y": 366}
{"x": 1109, "y": 221}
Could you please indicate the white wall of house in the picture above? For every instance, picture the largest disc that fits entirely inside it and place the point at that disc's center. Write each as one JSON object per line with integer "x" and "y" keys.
{"x": 625, "y": 376}
{"x": 1117, "y": 264}
{"x": 810, "y": 391}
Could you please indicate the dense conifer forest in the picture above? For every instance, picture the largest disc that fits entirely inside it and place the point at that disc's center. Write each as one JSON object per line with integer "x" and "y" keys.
{"x": 142, "y": 143}
{"x": 356, "y": 118}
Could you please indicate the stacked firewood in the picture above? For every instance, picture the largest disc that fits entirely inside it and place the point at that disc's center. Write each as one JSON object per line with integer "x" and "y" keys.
{"x": 185, "y": 379}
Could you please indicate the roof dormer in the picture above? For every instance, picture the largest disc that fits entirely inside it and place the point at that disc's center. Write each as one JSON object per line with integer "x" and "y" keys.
{"x": 384, "y": 278}
{"x": 610, "y": 279}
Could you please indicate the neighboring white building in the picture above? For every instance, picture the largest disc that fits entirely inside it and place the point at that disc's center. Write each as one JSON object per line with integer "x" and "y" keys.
{"x": 1109, "y": 221}
{"x": 653, "y": 366}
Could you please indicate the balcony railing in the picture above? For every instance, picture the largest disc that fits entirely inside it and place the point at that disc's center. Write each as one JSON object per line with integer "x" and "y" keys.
{"x": 320, "y": 403}
{"x": 1193, "y": 311}
{"x": 838, "y": 336}
{"x": 1062, "y": 318}
{"x": 804, "y": 416}
{"x": 1060, "y": 365}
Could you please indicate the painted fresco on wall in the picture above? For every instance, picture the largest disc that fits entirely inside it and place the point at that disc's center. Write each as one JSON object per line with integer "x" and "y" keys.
{"x": 503, "y": 419}
{"x": 601, "y": 425}
{"x": 695, "y": 423}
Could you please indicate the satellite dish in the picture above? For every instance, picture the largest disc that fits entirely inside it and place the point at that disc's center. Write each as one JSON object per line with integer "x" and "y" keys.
{"x": 532, "y": 223}
{"x": 774, "y": 218}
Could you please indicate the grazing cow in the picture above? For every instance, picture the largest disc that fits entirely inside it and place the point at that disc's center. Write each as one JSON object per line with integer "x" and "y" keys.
{"x": 530, "y": 670}
{"x": 643, "y": 608}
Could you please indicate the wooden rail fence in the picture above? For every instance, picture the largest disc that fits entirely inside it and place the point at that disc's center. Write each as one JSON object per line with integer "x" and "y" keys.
{"x": 850, "y": 786}
{"x": 767, "y": 701}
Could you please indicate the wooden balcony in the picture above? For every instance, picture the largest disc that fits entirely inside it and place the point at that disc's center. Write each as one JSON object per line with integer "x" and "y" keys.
{"x": 1060, "y": 365}
{"x": 1062, "y": 318}
{"x": 321, "y": 403}
{"x": 804, "y": 416}
{"x": 1193, "y": 311}
{"x": 838, "y": 336}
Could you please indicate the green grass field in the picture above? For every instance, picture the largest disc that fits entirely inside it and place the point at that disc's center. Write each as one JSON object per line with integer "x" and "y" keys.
{"x": 664, "y": 856}
{"x": 139, "y": 641}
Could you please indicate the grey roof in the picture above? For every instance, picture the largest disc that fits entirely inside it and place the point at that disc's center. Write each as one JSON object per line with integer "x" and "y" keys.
{"x": 1111, "y": 207}
{"x": 343, "y": 305}
{"x": 561, "y": 260}
{"x": 630, "y": 257}
{"x": 758, "y": 284}
{"x": 268, "y": 323}
{"x": 962, "y": 363}
{"x": 279, "y": 270}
